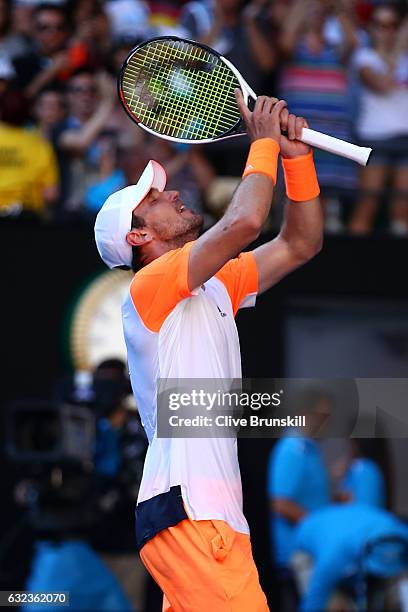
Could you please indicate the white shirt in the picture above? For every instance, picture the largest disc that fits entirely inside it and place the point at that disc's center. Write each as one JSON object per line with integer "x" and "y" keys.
{"x": 382, "y": 115}
{"x": 173, "y": 333}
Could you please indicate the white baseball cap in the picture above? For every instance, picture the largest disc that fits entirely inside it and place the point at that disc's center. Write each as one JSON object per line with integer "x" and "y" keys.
{"x": 114, "y": 220}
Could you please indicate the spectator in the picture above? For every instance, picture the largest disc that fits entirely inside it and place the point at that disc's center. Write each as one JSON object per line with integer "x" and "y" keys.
{"x": 112, "y": 417}
{"x": 120, "y": 450}
{"x": 242, "y": 35}
{"x": 383, "y": 120}
{"x": 49, "y": 111}
{"x": 133, "y": 154}
{"x": 298, "y": 483}
{"x": 362, "y": 480}
{"x": 118, "y": 120}
{"x": 53, "y": 58}
{"x": 78, "y": 139}
{"x": 22, "y": 21}
{"x": 92, "y": 28}
{"x": 28, "y": 169}
{"x": 115, "y": 426}
{"x": 315, "y": 81}
{"x": 110, "y": 176}
{"x": 11, "y": 45}
{"x": 335, "y": 537}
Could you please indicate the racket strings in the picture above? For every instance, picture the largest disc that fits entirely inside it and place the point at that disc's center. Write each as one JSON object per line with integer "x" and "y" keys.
{"x": 180, "y": 90}
{"x": 180, "y": 106}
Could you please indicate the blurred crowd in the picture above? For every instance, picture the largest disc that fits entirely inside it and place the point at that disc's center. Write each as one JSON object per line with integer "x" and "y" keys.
{"x": 66, "y": 144}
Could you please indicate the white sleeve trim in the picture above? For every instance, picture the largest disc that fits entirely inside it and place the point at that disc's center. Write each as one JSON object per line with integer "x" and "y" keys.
{"x": 249, "y": 301}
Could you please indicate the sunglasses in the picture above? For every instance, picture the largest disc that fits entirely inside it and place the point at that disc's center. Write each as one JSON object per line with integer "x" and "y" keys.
{"x": 49, "y": 27}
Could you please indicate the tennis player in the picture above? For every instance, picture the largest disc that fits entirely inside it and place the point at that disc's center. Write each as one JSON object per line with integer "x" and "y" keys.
{"x": 178, "y": 320}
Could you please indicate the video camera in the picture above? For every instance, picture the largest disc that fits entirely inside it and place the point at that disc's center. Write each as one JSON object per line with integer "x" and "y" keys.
{"x": 53, "y": 444}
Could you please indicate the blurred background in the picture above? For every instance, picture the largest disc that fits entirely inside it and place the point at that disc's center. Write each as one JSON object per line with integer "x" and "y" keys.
{"x": 327, "y": 517}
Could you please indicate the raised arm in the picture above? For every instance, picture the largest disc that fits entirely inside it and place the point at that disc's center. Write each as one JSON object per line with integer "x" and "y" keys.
{"x": 378, "y": 82}
{"x": 301, "y": 235}
{"x": 293, "y": 26}
{"x": 242, "y": 222}
{"x": 344, "y": 11}
{"x": 261, "y": 46}
{"x": 78, "y": 141}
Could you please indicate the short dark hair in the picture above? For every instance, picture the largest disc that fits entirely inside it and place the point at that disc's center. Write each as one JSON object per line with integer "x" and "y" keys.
{"x": 111, "y": 385}
{"x": 54, "y": 87}
{"x": 14, "y": 107}
{"x": 86, "y": 69}
{"x": 49, "y": 6}
{"x": 111, "y": 364}
{"x": 137, "y": 223}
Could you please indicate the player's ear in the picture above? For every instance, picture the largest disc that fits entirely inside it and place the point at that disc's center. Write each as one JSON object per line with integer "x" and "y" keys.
{"x": 138, "y": 237}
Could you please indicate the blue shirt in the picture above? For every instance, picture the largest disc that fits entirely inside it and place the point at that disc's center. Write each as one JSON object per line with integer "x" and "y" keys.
{"x": 107, "y": 456}
{"x": 335, "y": 537}
{"x": 296, "y": 472}
{"x": 73, "y": 566}
{"x": 365, "y": 481}
{"x": 99, "y": 191}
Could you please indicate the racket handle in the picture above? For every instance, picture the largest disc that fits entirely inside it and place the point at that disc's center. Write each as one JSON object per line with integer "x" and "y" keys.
{"x": 337, "y": 146}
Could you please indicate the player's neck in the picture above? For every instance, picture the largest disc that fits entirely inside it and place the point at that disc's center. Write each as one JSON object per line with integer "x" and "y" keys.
{"x": 158, "y": 248}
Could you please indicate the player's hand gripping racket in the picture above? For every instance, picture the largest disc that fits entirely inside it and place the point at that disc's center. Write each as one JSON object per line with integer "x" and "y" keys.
{"x": 183, "y": 91}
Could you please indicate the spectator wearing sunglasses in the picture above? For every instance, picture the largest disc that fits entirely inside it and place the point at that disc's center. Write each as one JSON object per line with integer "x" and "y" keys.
{"x": 78, "y": 139}
{"x": 54, "y": 58}
{"x": 382, "y": 69}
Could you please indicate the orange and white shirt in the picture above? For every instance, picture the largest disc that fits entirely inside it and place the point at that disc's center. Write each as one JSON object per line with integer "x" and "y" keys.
{"x": 172, "y": 332}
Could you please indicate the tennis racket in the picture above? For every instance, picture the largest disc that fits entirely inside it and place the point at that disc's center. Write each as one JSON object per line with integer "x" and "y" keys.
{"x": 183, "y": 91}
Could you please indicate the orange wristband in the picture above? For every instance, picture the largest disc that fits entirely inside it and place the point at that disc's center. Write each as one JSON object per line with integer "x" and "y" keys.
{"x": 263, "y": 158}
{"x": 300, "y": 178}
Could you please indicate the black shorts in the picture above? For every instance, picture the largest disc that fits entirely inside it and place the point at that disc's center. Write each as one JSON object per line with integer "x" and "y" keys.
{"x": 388, "y": 151}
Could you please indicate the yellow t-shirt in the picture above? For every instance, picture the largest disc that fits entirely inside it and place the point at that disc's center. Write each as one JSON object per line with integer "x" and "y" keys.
{"x": 27, "y": 167}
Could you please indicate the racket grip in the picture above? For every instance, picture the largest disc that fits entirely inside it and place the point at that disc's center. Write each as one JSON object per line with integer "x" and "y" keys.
{"x": 337, "y": 146}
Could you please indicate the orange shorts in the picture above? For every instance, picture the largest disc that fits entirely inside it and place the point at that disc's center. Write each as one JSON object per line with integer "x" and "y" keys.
{"x": 204, "y": 566}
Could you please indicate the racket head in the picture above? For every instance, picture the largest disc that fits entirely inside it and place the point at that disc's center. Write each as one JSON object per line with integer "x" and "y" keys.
{"x": 180, "y": 90}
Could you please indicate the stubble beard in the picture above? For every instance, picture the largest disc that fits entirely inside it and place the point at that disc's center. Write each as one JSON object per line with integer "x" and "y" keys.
{"x": 180, "y": 233}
